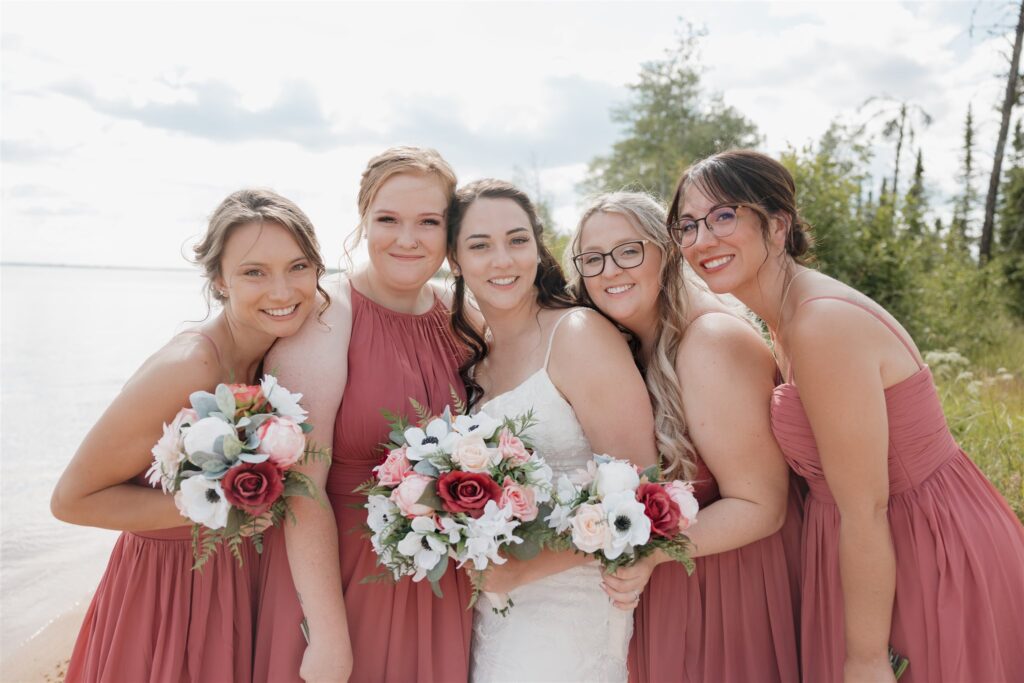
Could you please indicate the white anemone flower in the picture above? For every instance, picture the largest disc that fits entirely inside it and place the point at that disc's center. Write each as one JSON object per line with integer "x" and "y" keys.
{"x": 381, "y": 512}
{"x": 481, "y": 424}
{"x": 284, "y": 402}
{"x": 436, "y": 437}
{"x": 202, "y": 500}
{"x": 423, "y": 545}
{"x": 560, "y": 518}
{"x": 628, "y": 524}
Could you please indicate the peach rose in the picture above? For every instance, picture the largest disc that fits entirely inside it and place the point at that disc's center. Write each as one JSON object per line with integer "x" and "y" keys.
{"x": 396, "y": 465}
{"x": 589, "y": 528}
{"x": 408, "y": 494}
{"x": 521, "y": 499}
{"x": 681, "y": 493}
{"x": 472, "y": 454}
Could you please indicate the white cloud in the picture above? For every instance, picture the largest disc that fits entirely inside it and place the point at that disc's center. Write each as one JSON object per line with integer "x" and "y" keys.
{"x": 120, "y": 139}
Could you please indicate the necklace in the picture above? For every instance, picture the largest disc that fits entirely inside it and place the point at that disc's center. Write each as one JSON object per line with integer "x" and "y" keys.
{"x": 782, "y": 306}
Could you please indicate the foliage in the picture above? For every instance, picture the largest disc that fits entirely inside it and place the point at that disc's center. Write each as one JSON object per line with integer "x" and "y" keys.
{"x": 669, "y": 123}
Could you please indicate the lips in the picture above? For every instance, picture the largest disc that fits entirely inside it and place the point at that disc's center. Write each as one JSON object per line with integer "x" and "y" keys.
{"x": 407, "y": 257}
{"x": 507, "y": 281}
{"x": 716, "y": 262}
{"x": 281, "y": 312}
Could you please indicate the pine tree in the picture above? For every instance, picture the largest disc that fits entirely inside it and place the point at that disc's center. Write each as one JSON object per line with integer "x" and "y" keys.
{"x": 960, "y": 228}
{"x": 915, "y": 205}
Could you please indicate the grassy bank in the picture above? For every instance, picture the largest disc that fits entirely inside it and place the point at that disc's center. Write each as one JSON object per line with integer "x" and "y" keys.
{"x": 984, "y": 403}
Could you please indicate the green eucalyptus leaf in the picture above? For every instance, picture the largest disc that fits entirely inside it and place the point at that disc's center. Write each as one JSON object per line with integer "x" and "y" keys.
{"x": 430, "y": 498}
{"x": 225, "y": 400}
{"x": 427, "y": 468}
{"x": 254, "y": 458}
{"x": 231, "y": 446}
{"x": 435, "y": 574}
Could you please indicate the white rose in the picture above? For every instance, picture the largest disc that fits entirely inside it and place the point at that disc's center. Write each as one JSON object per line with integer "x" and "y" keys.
{"x": 201, "y": 436}
{"x": 615, "y": 476}
{"x": 473, "y": 455}
{"x": 589, "y": 528}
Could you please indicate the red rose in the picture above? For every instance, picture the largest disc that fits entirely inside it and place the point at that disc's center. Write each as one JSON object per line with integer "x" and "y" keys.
{"x": 467, "y": 491}
{"x": 249, "y": 399}
{"x": 253, "y": 487}
{"x": 660, "y": 508}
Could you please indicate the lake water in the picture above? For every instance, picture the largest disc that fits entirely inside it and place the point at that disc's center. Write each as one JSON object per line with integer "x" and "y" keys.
{"x": 69, "y": 338}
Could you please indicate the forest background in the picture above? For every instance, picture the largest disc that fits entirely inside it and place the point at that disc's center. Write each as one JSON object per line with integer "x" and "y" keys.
{"x": 956, "y": 284}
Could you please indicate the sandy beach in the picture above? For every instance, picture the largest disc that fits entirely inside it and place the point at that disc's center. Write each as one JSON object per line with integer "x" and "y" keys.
{"x": 44, "y": 658}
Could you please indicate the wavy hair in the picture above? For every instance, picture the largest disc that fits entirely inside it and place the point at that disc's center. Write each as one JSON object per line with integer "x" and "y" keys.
{"x": 549, "y": 282}
{"x": 647, "y": 216}
{"x": 255, "y": 205}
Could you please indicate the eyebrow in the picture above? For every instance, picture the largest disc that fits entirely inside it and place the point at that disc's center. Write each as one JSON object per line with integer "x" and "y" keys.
{"x": 509, "y": 232}
{"x": 249, "y": 264}
{"x": 394, "y": 212}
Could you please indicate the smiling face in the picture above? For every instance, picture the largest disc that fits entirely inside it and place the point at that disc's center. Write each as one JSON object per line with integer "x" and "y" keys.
{"x": 268, "y": 282}
{"x": 727, "y": 264}
{"x": 405, "y": 230}
{"x": 496, "y": 253}
{"x": 629, "y": 296}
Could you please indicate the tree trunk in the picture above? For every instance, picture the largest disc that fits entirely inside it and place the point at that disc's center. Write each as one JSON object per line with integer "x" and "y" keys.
{"x": 1012, "y": 84}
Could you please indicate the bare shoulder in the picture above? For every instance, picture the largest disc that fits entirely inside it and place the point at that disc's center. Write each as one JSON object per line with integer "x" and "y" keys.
{"x": 323, "y": 327}
{"x": 827, "y": 326}
{"x": 719, "y": 340}
{"x": 187, "y": 363}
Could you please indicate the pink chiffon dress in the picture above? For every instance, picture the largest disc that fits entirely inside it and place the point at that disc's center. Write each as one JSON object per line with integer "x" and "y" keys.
{"x": 732, "y": 620}
{"x": 959, "y": 608}
{"x": 153, "y": 619}
{"x": 400, "y": 631}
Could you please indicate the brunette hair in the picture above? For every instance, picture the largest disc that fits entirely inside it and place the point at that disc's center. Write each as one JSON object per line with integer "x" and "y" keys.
{"x": 754, "y": 180}
{"x": 549, "y": 281}
{"x": 255, "y": 205}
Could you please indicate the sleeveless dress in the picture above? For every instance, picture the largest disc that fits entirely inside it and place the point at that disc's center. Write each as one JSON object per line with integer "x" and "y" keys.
{"x": 562, "y": 627}
{"x": 153, "y": 619}
{"x": 732, "y": 620}
{"x": 959, "y": 548}
{"x": 400, "y": 631}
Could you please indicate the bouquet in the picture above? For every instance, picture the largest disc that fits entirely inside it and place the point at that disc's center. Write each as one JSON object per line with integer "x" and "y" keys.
{"x": 620, "y": 515}
{"x": 228, "y": 462}
{"x": 456, "y": 488}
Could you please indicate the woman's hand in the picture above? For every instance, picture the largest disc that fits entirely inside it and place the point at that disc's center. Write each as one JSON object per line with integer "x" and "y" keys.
{"x": 627, "y": 583}
{"x": 875, "y": 670}
{"x": 322, "y": 663}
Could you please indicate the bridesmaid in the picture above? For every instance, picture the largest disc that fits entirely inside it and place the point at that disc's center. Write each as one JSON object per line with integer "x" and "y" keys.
{"x": 153, "y": 618}
{"x": 386, "y": 339}
{"x": 711, "y": 376}
{"x": 905, "y": 541}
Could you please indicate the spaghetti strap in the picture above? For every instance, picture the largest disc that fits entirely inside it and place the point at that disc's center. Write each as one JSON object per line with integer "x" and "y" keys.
{"x": 216, "y": 349}
{"x": 551, "y": 339}
{"x": 896, "y": 333}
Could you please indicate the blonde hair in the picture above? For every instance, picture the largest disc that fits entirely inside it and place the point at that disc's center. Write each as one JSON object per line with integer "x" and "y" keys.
{"x": 254, "y": 205}
{"x": 390, "y": 162}
{"x": 647, "y": 216}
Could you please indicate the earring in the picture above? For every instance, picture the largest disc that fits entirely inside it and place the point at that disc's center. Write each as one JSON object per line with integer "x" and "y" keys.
{"x": 456, "y": 272}
{"x": 538, "y": 259}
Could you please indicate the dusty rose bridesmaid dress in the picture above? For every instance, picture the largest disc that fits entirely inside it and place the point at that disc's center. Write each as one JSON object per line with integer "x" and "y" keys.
{"x": 959, "y": 608}
{"x": 732, "y": 620}
{"x": 400, "y": 632}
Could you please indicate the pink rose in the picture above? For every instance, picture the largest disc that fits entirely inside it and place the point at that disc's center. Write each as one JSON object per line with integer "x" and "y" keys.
{"x": 249, "y": 399}
{"x": 282, "y": 440}
{"x": 511, "y": 448}
{"x": 681, "y": 493}
{"x": 408, "y": 494}
{"x": 521, "y": 498}
{"x": 392, "y": 471}
{"x": 590, "y": 528}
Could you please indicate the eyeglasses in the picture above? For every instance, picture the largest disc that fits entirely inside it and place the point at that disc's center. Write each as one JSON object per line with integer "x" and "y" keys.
{"x": 720, "y": 222}
{"x": 625, "y": 255}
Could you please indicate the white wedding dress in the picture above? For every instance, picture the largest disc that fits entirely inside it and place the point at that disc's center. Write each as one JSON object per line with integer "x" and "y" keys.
{"x": 563, "y": 627}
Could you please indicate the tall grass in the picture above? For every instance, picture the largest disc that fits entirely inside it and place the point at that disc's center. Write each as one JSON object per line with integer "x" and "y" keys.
{"x": 984, "y": 404}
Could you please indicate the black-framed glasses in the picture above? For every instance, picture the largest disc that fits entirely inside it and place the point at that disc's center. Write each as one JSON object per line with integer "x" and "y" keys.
{"x": 720, "y": 222}
{"x": 626, "y": 255}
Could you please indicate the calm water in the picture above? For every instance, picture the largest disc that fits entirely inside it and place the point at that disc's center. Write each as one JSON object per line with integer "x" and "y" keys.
{"x": 69, "y": 338}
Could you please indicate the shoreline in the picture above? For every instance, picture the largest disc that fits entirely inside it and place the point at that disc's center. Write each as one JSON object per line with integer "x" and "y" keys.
{"x": 44, "y": 657}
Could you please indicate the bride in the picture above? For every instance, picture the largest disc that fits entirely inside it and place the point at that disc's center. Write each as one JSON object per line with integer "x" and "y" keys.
{"x": 576, "y": 372}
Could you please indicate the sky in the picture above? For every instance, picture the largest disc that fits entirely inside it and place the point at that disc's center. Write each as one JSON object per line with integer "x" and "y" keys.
{"x": 123, "y": 125}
